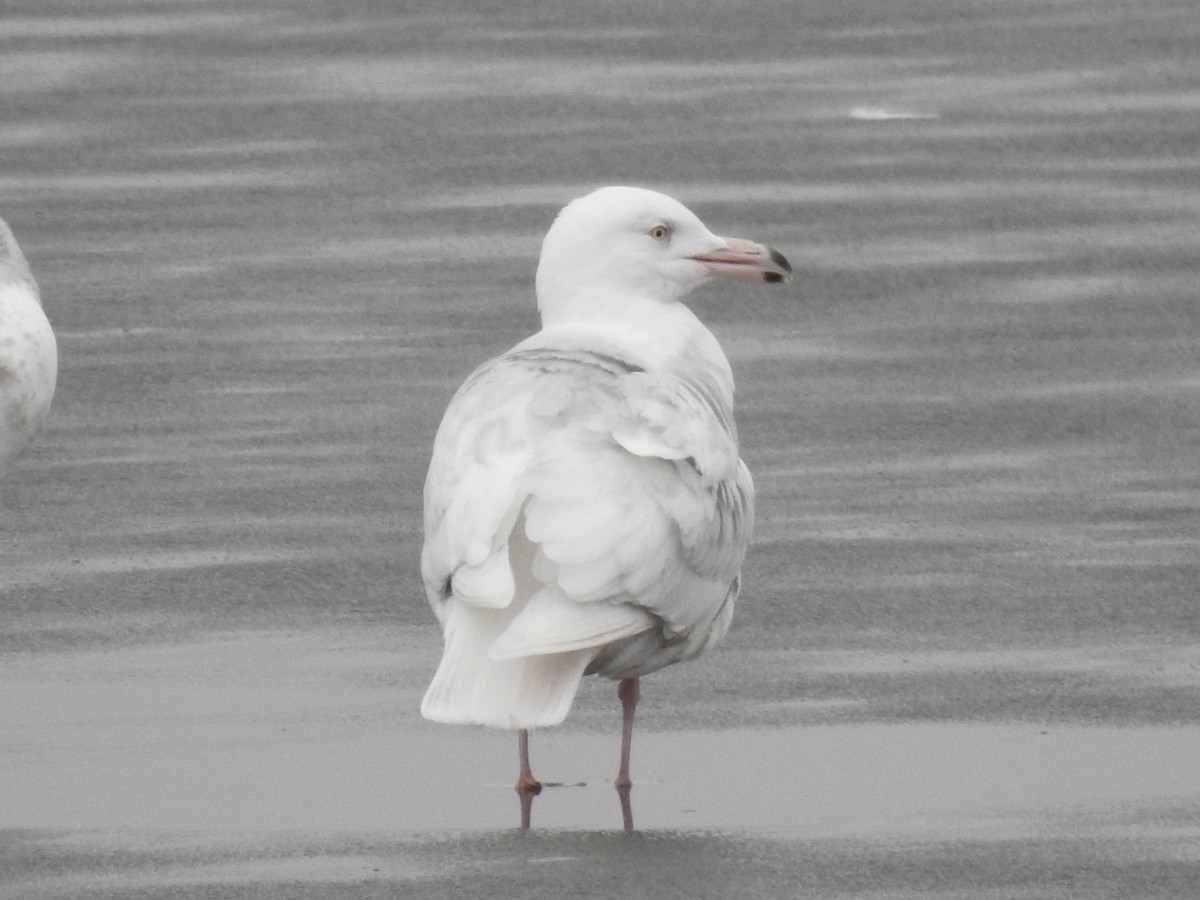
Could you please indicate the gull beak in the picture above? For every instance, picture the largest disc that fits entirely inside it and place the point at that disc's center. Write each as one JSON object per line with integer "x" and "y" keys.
{"x": 746, "y": 259}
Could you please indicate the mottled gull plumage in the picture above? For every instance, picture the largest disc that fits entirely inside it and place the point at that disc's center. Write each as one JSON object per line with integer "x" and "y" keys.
{"x": 28, "y": 353}
{"x": 586, "y": 510}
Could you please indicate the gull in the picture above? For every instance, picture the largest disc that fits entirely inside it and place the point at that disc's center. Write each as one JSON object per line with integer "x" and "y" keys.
{"x": 586, "y": 509}
{"x": 28, "y": 353}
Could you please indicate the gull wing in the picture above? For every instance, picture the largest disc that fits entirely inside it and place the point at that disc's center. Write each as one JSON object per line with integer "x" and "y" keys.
{"x": 575, "y": 500}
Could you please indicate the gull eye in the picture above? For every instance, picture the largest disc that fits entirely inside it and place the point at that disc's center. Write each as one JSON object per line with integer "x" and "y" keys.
{"x": 660, "y": 232}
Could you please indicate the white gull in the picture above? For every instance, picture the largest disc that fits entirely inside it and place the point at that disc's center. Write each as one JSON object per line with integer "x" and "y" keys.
{"x": 28, "y": 353}
{"x": 586, "y": 510}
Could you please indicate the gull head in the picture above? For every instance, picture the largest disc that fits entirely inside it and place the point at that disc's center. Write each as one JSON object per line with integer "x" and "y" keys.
{"x": 628, "y": 241}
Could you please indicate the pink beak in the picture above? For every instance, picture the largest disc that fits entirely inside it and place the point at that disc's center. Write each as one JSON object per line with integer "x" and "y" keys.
{"x": 746, "y": 259}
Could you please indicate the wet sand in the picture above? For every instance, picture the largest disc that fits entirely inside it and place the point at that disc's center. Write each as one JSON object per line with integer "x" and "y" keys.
{"x": 272, "y": 240}
{"x": 269, "y": 764}
{"x": 318, "y": 730}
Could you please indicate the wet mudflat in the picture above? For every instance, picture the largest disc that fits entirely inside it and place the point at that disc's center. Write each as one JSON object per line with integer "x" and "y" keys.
{"x": 270, "y": 764}
{"x": 274, "y": 237}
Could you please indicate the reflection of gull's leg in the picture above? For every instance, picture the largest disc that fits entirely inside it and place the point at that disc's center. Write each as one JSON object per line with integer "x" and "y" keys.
{"x": 526, "y": 798}
{"x": 626, "y": 808}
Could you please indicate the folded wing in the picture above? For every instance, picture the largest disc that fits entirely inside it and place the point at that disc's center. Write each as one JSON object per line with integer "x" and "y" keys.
{"x": 580, "y": 511}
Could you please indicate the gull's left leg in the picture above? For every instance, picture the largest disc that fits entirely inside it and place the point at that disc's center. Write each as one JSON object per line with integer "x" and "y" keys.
{"x": 526, "y": 783}
{"x": 628, "y": 690}
{"x": 528, "y": 787}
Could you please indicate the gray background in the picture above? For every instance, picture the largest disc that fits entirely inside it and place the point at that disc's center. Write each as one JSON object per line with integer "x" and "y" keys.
{"x": 273, "y": 237}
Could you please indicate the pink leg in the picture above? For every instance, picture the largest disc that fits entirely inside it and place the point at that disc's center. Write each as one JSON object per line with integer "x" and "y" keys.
{"x": 526, "y": 783}
{"x": 628, "y": 690}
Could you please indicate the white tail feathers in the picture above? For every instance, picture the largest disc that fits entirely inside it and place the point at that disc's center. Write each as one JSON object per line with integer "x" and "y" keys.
{"x": 470, "y": 687}
{"x": 489, "y": 584}
{"x": 552, "y": 622}
{"x": 516, "y": 648}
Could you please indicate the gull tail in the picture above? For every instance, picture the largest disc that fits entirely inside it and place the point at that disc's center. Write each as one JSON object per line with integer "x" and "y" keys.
{"x": 470, "y": 687}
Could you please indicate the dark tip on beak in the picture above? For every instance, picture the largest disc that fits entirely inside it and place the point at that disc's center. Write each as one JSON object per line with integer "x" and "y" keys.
{"x": 746, "y": 259}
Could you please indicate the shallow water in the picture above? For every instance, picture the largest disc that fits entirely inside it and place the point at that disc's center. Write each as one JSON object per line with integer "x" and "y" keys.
{"x": 263, "y": 765}
{"x": 318, "y": 731}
